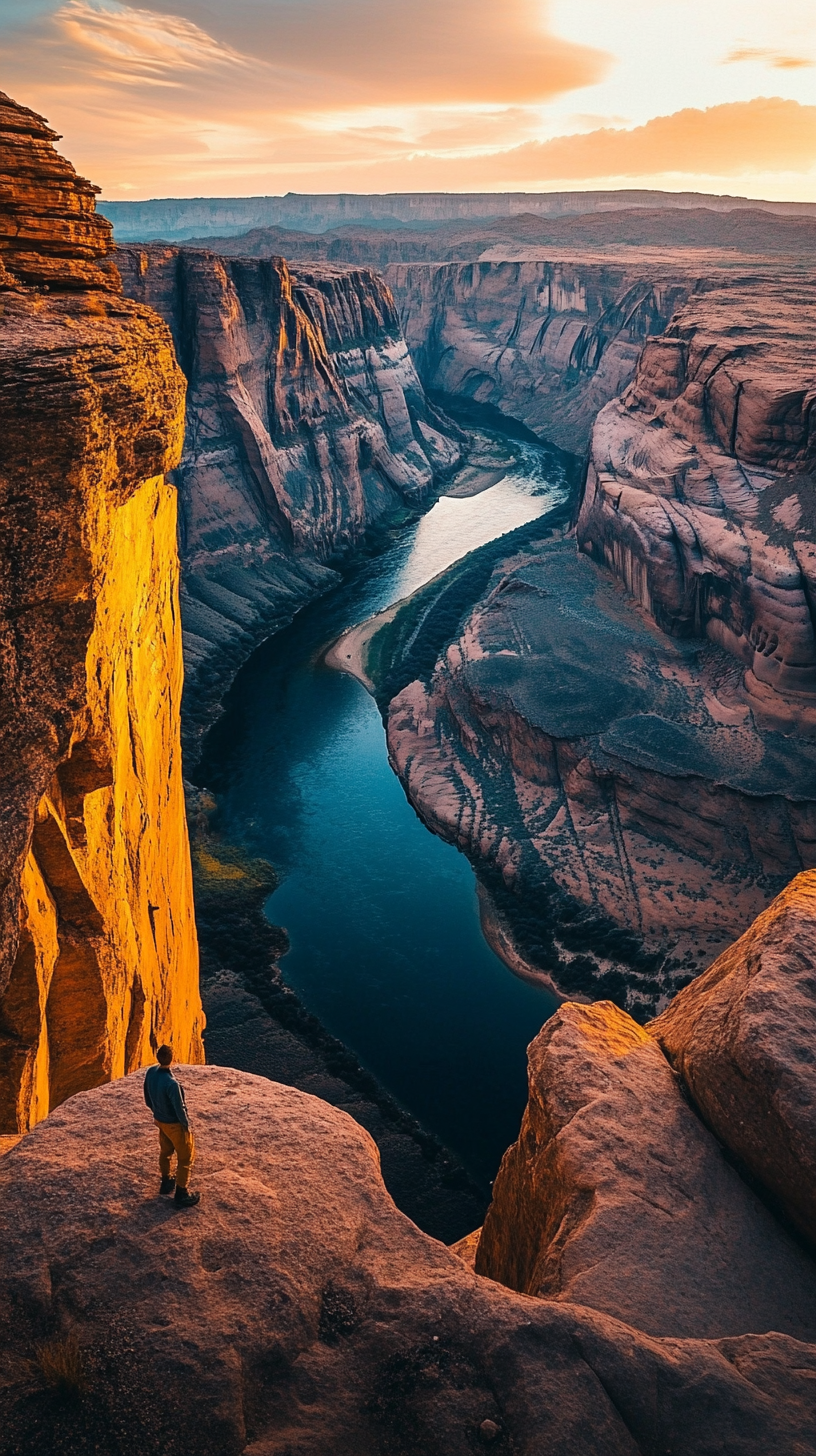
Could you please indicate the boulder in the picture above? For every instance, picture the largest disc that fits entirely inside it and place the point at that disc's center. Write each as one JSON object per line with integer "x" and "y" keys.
{"x": 743, "y": 1038}
{"x": 296, "y": 1311}
{"x": 616, "y": 1196}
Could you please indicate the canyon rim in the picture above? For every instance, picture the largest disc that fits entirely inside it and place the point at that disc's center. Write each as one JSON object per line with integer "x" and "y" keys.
{"x": 495, "y": 511}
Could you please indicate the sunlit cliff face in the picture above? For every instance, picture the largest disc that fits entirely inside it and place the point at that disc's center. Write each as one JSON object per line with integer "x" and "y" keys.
{"x": 176, "y": 97}
{"x": 98, "y": 951}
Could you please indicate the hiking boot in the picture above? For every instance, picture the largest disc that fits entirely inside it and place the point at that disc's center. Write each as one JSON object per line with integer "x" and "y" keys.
{"x": 168, "y": 1185}
{"x": 183, "y": 1199}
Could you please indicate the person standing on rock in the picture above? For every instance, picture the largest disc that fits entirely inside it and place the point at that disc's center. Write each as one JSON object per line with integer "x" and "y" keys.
{"x": 165, "y": 1098}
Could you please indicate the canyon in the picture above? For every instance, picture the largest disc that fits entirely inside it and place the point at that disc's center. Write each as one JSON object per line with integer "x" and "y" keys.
{"x": 648, "y": 770}
{"x": 617, "y": 729}
{"x": 98, "y": 954}
{"x": 173, "y": 218}
{"x": 306, "y": 426}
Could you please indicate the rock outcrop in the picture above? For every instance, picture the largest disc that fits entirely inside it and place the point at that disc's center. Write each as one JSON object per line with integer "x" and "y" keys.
{"x": 306, "y": 426}
{"x": 98, "y": 954}
{"x": 50, "y": 232}
{"x": 742, "y": 1037}
{"x": 700, "y": 487}
{"x": 545, "y": 342}
{"x": 611, "y": 777}
{"x": 296, "y": 1310}
{"x": 616, "y": 1196}
{"x": 594, "y": 729}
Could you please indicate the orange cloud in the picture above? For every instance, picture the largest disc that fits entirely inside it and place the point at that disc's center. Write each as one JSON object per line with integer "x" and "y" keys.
{"x": 126, "y": 45}
{"x": 763, "y": 135}
{"x": 778, "y": 59}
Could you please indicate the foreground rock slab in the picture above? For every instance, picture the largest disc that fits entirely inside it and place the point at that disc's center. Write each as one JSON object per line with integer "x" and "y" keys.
{"x": 616, "y": 1196}
{"x": 297, "y": 1311}
{"x": 743, "y": 1037}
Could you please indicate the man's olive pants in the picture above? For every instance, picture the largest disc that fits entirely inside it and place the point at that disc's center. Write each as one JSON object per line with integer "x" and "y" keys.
{"x": 173, "y": 1138}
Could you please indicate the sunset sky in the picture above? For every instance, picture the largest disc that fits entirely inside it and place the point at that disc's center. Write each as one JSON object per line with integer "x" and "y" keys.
{"x": 237, "y": 97}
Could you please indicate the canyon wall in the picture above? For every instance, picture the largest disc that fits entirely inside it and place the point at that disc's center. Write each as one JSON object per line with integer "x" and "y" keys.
{"x": 625, "y": 736}
{"x": 174, "y": 218}
{"x": 98, "y": 952}
{"x": 306, "y": 426}
{"x": 701, "y": 483}
{"x": 546, "y": 342}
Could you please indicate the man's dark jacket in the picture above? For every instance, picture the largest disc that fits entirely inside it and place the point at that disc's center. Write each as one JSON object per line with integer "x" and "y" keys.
{"x": 165, "y": 1096}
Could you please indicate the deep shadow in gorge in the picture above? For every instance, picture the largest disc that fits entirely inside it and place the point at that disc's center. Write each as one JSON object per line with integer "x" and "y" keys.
{"x": 454, "y": 1053}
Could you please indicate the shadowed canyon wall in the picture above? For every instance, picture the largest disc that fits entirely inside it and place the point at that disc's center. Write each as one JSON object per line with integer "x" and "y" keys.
{"x": 700, "y": 492}
{"x": 306, "y": 426}
{"x": 632, "y": 742}
{"x": 548, "y": 343}
{"x": 98, "y": 956}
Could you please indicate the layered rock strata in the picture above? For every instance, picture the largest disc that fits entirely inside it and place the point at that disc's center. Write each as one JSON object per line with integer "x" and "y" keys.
{"x": 616, "y": 1196}
{"x": 297, "y": 1310}
{"x": 700, "y": 488}
{"x": 546, "y": 342}
{"x": 611, "y": 776}
{"x": 173, "y": 218}
{"x": 742, "y": 1038}
{"x": 595, "y": 728}
{"x": 50, "y": 232}
{"x": 98, "y": 954}
{"x": 306, "y": 426}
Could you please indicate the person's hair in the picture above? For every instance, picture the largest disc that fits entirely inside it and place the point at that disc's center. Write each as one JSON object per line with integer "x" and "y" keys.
{"x": 164, "y": 1055}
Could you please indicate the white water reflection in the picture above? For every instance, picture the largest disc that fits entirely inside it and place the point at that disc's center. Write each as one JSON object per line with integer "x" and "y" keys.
{"x": 454, "y": 526}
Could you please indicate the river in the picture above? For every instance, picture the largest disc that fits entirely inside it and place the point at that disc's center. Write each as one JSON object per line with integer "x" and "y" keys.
{"x": 386, "y": 948}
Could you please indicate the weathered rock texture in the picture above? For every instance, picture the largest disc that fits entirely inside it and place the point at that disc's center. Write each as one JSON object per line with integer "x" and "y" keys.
{"x": 623, "y": 749}
{"x": 701, "y": 481}
{"x": 616, "y": 1195}
{"x": 296, "y": 1310}
{"x": 743, "y": 1038}
{"x": 98, "y": 955}
{"x": 546, "y": 342}
{"x": 306, "y": 425}
{"x": 609, "y": 774}
{"x": 50, "y": 233}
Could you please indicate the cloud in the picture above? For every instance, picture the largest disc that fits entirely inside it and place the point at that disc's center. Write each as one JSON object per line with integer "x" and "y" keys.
{"x": 416, "y": 52}
{"x": 780, "y": 60}
{"x": 192, "y": 97}
{"x": 760, "y": 136}
{"x": 121, "y": 43}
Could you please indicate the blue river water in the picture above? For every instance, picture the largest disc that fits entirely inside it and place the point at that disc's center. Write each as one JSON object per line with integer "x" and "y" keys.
{"x": 382, "y": 916}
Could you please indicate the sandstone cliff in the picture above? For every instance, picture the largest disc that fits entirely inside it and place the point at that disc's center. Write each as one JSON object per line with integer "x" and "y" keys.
{"x": 593, "y": 736}
{"x": 546, "y": 342}
{"x": 306, "y": 425}
{"x": 742, "y": 1036}
{"x": 619, "y": 1195}
{"x": 98, "y": 955}
{"x": 297, "y": 1310}
{"x": 700, "y": 487}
